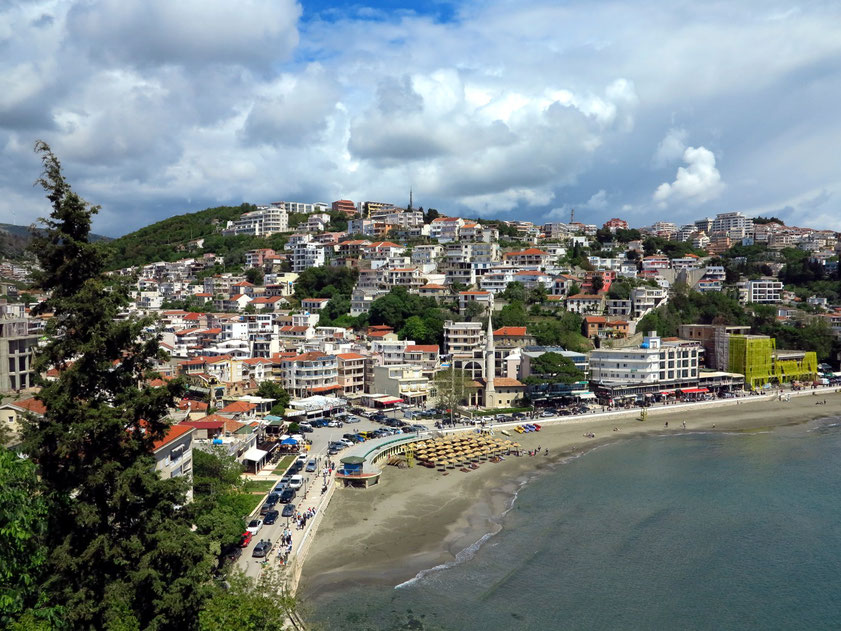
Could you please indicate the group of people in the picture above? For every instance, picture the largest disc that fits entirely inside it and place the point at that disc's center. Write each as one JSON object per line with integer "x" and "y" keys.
{"x": 536, "y": 452}
{"x": 301, "y": 518}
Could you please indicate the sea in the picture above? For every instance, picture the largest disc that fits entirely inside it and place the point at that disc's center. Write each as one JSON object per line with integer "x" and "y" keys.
{"x": 685, "y": 531}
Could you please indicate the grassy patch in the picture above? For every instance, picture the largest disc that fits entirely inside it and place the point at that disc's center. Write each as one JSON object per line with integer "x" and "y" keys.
{"x": 284, "y": 464}
{"x": 263, "y": 486}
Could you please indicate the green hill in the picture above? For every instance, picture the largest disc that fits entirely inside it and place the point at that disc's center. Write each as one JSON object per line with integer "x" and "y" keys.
{"x": 160, "y": 241}
{"x": 14, "y": 240}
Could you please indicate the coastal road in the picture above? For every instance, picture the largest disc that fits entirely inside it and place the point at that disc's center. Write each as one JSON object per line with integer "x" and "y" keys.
{"x": 308, "y": 496}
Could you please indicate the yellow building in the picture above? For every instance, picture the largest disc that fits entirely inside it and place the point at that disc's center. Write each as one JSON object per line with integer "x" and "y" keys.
{"x": 757, "y": 358}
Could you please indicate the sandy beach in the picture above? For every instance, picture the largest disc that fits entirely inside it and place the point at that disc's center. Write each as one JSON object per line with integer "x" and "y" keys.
{"x": 418, "y": 518}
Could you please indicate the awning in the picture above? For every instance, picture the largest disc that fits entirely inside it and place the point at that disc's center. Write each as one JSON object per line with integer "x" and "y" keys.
{"x": 289, "y": 441}
{"x": 693, "y": 390}
{"x": 254, "y": 454}
{"x": 668, "y": 391}
{"x": 586, "y": 395}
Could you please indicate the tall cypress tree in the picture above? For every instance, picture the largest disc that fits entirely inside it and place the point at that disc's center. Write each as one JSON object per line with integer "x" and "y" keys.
{"x": 122, "y": 554}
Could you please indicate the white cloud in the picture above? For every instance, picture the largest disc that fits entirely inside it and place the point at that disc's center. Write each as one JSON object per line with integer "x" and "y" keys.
{"x": 158, "y": 107}
{"x": 671, "y": 148}
{"x": 699, "y": 182}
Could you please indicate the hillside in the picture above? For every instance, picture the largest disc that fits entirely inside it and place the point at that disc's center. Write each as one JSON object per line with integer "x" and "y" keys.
{"x": 14, "y": 240}
{"x": 159, "y": 241}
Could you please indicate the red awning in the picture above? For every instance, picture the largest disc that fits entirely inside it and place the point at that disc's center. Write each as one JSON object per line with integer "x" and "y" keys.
{"x": 667, "y": 392}
{"x": 389, "y": 401}
{"x": 694, "y": 390}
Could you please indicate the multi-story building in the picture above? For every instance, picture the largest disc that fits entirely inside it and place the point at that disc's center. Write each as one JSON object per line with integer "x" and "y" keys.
{"x": 735, "y": 225}
{"x": 174, "y": 455}
{"x": 264, "y": 221}
{"x": 764, "y": 291}
{"x": 307, "y": 255}
{"x": 654, "y": 361}
{"x": 310, "y": 373}
{"x": 757, "y": 358}
{"x": 17, "y": 345}
{"x": 462, "y": 337}
{"x": 465, "y": 298}
{"x": 532, "y": 257}
{"x": 344, "y": 206}
{"x": 351, "y": 373}
{"x": 615, "y": 224}
{"x": 405, "y": 381}
{"x": 301, "y": 207}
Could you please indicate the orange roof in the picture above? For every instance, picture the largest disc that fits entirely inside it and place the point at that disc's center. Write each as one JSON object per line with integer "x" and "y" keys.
{"x": 315, "y": 300}
{"x": 511, "y": 331}
{"x": 325, "y": 388}
{"x": 584, "y": 297}
{"x": 31, "y": 405}
{"x": 474, "y": 293}
{"x": 252, "y": 361}
{"x": 527, "y": 252}
{"x": 189, "y": 404}
{"x": 237, "y": 406}
{"x": 422, "y": 348}
{"x": 433, "y": 286}
{"x": 350, "y": 356}
{"x": 595, "y": 319}
{"x": 173, "y": 433}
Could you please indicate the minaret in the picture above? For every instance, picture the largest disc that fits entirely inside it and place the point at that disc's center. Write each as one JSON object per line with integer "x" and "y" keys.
{"x": 410, "y": 200}
{"x": 490, "y": 357}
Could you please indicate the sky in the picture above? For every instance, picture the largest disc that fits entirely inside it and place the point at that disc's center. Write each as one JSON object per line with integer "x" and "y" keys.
{"x": 644, "y": 110}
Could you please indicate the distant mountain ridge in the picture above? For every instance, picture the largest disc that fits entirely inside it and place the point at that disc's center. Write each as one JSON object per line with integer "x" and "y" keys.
{"x": 14, "y": 240}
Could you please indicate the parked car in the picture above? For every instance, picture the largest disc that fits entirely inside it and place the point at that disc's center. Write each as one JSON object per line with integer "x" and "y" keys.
{"x": 288, "y": 511}
{"x": 254, "y": 526}
{"x": 518, "y": 415}
{"x": 311, "y": 466}
{"x": 245, "y": 539}
{"x": 287, "y": 496}
{"x": 360, "y": 438}
{"x": 262, "y": 549}
{"x": 335, "y": 423}
{"x": 296, "y": 467}
{"x": 418, "y": 428}
{"x": 351, "y": 419}
{"x": 271, "y": 517}
{"x": 296, "y": 482}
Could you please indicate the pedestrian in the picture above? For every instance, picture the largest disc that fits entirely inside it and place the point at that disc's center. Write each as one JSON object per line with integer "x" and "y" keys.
{"x": 684, "y": 425}
{"x": 667, "y": 423}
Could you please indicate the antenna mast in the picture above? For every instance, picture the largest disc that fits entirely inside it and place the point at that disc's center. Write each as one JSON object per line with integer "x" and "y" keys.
{"x": 572, "y": 215}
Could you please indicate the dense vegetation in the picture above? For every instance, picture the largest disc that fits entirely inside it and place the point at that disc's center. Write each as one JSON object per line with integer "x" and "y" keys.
{"x": 159, "y": 241}
{"x": 108, "y": 544}
{"x": 413, "y": 317}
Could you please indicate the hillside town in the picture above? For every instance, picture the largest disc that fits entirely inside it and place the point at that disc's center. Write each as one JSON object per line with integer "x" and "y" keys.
{"x": 489, "y": 296}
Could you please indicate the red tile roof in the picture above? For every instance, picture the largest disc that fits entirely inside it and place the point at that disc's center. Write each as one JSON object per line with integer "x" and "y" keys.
{"x": 350, "y": 356}
{"x": 30, "y": 405}
{"x": 174, "y": 432}
{"x": 237, "y": 407}
{"x": 510, "y": 331}
{"x": 422, "y": 348}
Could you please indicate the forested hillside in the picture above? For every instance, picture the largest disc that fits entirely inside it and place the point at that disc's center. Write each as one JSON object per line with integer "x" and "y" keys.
{"x": 159, "y": 241}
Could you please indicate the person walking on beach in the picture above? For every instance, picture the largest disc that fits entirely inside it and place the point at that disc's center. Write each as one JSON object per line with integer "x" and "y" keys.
{"x": 684, "y": 425}
{"x": 667, "y": 424}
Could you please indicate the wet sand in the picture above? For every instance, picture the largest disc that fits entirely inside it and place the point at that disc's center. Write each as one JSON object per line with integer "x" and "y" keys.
{"x": 418, "y": 518}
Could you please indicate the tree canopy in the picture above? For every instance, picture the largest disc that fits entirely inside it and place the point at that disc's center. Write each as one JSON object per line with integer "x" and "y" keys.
{"x": 553, "y": 368}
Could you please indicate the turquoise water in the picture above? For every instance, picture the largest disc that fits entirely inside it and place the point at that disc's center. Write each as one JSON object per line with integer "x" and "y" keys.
{"x": 695, "y": 531}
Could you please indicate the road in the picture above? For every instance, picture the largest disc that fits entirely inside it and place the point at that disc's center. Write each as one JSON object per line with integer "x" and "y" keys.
{"x": 308, "y": 496}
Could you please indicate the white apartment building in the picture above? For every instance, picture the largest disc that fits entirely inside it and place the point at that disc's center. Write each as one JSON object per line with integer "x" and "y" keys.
{"x": 307, "y": 255}
{"x": 310, "y": 373}
{"x": 496, "y": 282}
{"x": 735, "y": 224}
{"x": 302, "y": 207}
{"x": 463, "y": 337}
{"x": 404, "y": 381}
{"x": 261, "y": 222}
{"x": 174, "y": 455}
{"x": 654, "y": 361}
{"x": 764, "y": 291}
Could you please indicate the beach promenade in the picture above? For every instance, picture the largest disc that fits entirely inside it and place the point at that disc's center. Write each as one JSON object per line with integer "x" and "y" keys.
{"x": 418, "y": 518}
